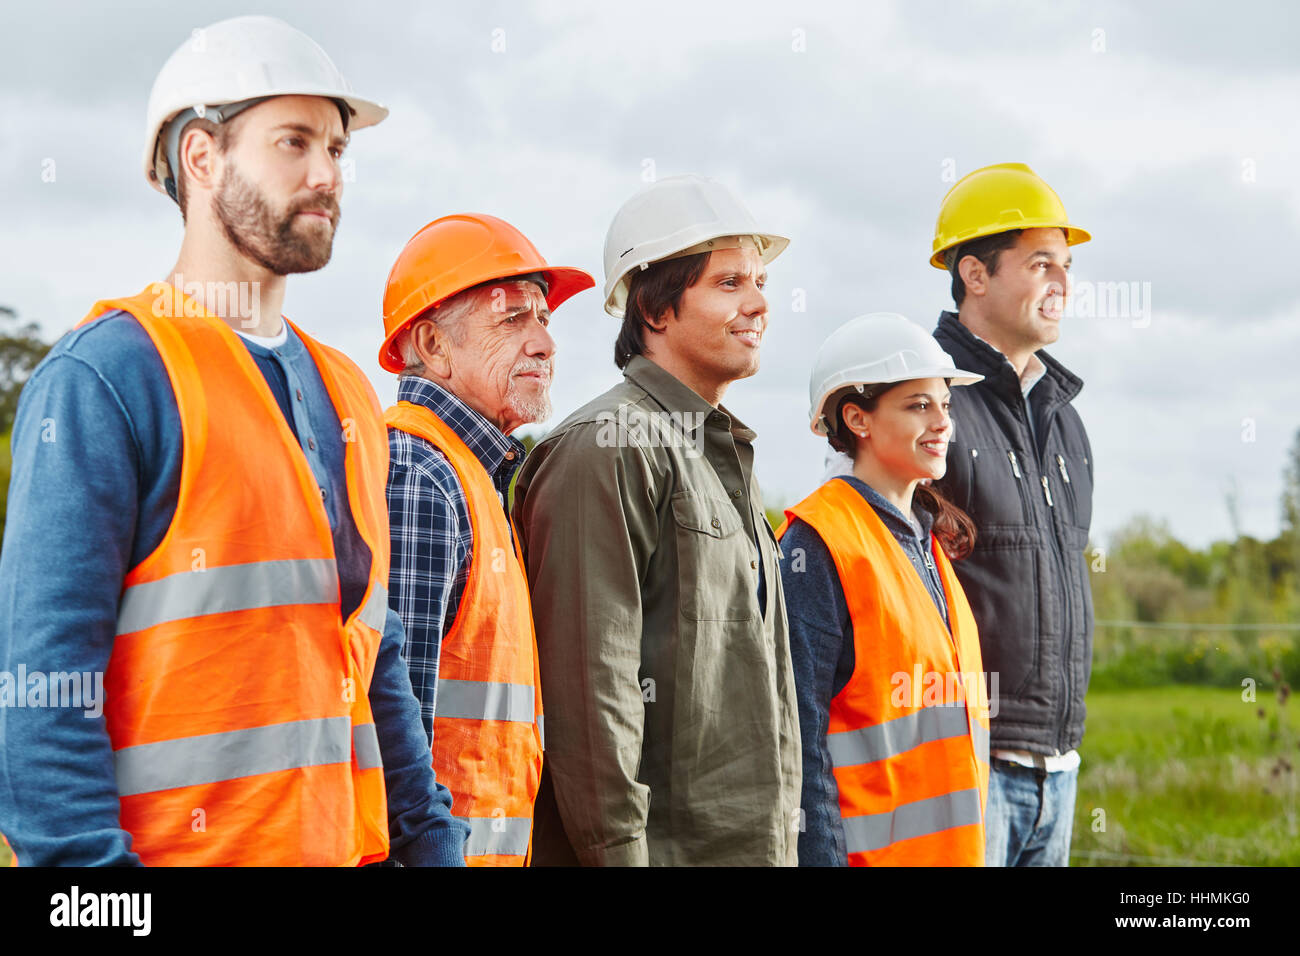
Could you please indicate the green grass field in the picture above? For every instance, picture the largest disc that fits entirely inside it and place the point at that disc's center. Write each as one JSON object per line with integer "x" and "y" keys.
{"x": 1183, "y": 775}
{"x": 1187, "y": 775}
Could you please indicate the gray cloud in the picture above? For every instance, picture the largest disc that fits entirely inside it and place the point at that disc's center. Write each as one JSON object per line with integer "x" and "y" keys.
{"x": 843, "y": 146}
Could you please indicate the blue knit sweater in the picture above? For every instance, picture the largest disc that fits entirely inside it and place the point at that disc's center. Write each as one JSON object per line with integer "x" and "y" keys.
{"x": 97, "y": 458}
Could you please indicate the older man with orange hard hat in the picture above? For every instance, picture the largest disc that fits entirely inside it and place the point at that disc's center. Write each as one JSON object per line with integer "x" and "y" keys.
{"x": 466, "y": 312}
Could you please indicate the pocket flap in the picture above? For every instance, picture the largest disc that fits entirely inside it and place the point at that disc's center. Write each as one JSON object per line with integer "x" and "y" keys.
{"x": 711, "y": 516}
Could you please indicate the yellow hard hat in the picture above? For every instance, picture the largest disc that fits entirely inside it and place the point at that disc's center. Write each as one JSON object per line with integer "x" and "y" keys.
{"x": 998, "y": 199}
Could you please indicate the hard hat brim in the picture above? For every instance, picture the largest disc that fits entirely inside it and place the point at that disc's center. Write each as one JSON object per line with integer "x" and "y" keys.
{"x": 1073, "y": 236}
{"x": 617, "y": 287}
{"x": 954, "y": 376}
{"x": 365, "y": 112}
{"x": 562, "y": 283}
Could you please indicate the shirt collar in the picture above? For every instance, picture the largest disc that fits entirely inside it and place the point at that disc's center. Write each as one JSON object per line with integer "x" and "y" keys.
{"x": 979, "y": 356}
{"x": 494, "y": 450}
{"x": 890, "y": 513}
{"x": 675, "y": 396}
{"x": 288, "y": 349}
{"x": 1034, "y": 368}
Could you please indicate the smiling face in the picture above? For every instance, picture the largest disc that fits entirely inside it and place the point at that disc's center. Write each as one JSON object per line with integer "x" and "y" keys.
{"x": 1022, "y": 302}
{"x": 907, "y": 433}
{"x": 496, "y": 354}
{"x": 713, "y": 338}
{"x": 277, "y": 195}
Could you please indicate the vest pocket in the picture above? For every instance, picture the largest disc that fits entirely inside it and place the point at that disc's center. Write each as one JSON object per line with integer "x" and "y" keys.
{"x": 714, "y": 558}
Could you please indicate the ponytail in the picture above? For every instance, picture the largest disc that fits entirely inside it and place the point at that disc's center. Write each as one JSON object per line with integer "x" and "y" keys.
{"x": 952, "y": 526}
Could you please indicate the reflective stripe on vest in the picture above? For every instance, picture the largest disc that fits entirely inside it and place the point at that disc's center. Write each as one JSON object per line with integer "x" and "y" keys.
{"x": 868, "y": 744}
{"x": 875, "y": 831}
{"x": 239, "y": 587}
{"x": 497, "y": 836}
{"x": 484, "y": 700}
{"x": 981, "y": 737}
{"x": 208, "y": 758}
{"x": 236, "y": 587}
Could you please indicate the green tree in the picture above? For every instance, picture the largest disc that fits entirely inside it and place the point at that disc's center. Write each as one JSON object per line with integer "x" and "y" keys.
{"x": 21, "y": 350}
{"x": 1289, "y": 539}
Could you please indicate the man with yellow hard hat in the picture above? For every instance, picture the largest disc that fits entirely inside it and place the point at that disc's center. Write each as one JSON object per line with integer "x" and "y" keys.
{"x": 1020, "y": 465}
{"x": 466, "y": 312}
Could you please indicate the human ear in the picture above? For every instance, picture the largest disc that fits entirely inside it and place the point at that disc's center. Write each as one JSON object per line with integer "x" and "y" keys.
{"x": 973, "y": 275}
{"x": 431, "y": 346}
{"x": 857, "y": 420}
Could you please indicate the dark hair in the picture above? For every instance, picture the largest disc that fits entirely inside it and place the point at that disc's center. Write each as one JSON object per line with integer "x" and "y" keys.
{"x": 223, "y": 134}
{"x": 952, "y": 526}
{"x": 652, "y": 292}
{"x": 986, "y": 249}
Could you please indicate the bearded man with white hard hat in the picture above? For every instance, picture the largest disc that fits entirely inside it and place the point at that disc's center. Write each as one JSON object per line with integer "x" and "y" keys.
{"x": 199, "y": 515}
{"x": 672, "y": 730}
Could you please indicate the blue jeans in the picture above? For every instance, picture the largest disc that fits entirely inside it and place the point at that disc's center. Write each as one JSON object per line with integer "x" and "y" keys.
{"x": 1030, "y": 815}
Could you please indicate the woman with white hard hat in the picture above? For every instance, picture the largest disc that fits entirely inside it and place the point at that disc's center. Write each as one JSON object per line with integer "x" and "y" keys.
{"x": 893, "y": 706}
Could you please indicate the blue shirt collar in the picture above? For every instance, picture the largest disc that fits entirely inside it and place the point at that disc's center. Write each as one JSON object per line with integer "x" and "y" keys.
{"x": 500, "y": 454}
{"x": 289, "y": 349}
{"x": 889, "y": 513}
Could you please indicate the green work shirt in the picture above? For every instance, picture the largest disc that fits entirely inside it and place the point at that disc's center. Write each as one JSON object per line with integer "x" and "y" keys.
{"x": 672, "y": 729}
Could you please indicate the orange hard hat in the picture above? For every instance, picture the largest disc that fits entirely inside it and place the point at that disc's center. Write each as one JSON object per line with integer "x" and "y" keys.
{"x": 456, "y": 253}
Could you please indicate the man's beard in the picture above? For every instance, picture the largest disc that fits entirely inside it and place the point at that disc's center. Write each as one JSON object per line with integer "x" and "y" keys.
{"x": 530, "y": 409}
{"x": 258, "y": 234}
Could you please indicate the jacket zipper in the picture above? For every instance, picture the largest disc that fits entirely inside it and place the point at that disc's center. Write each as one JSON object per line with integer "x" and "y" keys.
{"x": 1026, "y": 509}
{"x": 1067, "y": 624}
{"x": 1069, "y": 487}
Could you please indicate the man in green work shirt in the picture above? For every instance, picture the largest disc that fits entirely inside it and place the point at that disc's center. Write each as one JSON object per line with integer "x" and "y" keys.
{"x": 672, "y": 731}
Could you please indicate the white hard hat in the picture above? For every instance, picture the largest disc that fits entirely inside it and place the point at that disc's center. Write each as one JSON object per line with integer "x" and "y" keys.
{"x": 230, "y": 64}
{"x": 671, "y": 217}
{"x": 879, "y": 348}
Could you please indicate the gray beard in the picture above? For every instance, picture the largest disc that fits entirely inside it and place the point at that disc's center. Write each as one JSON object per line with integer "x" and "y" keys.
{"x": 535, "y": 410}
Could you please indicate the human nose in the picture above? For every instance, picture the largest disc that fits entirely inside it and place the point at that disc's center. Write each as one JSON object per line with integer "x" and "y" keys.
{"x": 1060, "y": 279}
{"x": 755, "y": 302}
{"x": 323, "y": 171}
{"x": 540, "y": 343}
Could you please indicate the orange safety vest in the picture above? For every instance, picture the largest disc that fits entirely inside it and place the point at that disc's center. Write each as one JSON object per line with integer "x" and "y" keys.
{"x": 909, "y": 733}
{"x": 236, "y": 699}
{"x": 487, "y": 722}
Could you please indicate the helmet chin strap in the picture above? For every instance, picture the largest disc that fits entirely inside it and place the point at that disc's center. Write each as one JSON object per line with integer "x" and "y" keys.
{"x": 170, "y": 142}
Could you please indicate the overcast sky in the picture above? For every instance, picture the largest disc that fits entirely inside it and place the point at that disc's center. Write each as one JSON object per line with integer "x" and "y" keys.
{"x": 1170, "y": 134}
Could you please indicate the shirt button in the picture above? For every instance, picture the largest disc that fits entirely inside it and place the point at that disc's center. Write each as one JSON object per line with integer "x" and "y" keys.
{"x": 736, "y": 493}
{"x": 322, "y": 494}
{"x": 311, "y": 443}
{"x": 510, "y": 456}
{"x": 716, "y": 523}
{"x": 753, "y": 564}
{"x": 300, "y": 395}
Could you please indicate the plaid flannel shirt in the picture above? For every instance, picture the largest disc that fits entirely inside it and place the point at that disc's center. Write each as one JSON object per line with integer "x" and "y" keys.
{"x": 430, "y": 528}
